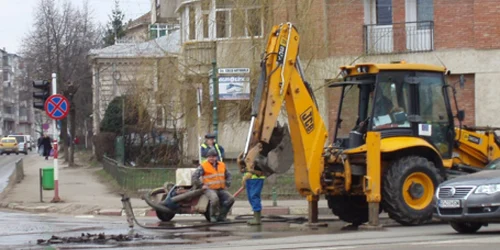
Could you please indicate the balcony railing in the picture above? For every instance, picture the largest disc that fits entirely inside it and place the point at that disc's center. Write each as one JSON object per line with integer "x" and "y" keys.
{"x": 399, "y": 38}
{"x": 8, "y": 116}
{"x": 8, "y": 99}
{"x": 23, "y": 118}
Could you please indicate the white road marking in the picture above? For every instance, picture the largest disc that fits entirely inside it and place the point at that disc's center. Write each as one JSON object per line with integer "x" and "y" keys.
{"x": 84, "y": 216}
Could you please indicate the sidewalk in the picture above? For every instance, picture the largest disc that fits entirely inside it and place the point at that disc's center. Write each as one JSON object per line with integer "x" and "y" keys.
{"x": 83, "y": 194}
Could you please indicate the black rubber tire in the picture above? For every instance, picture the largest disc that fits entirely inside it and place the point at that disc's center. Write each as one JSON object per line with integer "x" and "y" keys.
{"x": 392, "y": 190}
{"x": 164, "y": 216}
{"x": 351, "y": 209}
{"x": 466, "y": 227}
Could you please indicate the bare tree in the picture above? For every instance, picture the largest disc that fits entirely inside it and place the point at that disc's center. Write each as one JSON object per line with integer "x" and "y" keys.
{"x": 59, "y": 42}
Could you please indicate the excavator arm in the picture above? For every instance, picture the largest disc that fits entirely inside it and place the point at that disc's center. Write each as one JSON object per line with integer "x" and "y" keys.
{"x": 271, "y": 148}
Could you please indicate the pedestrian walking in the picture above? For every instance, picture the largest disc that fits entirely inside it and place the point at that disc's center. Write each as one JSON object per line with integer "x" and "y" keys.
{"x": 47, "y": 146}
{"x": 39, "y": 145}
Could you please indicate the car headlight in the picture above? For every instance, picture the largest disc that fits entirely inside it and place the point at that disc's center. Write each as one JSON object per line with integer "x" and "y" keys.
{"x": 488, "y": 189}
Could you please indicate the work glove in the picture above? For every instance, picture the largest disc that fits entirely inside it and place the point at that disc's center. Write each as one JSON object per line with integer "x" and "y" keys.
{"x": 241, "y": 162}
{"x": 246, "y": 176}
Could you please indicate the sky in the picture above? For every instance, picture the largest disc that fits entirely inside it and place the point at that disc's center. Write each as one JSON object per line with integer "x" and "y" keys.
{"x": 16, "y": 21}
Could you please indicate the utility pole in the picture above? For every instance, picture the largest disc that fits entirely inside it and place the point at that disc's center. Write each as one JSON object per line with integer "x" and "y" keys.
{"x": 199, "y": 97}
{"x": 216, "y": 96}
{"x": 122, "y": 148}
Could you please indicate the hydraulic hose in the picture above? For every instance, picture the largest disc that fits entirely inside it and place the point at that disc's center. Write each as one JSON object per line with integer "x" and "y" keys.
{"x": 127, "y": 207}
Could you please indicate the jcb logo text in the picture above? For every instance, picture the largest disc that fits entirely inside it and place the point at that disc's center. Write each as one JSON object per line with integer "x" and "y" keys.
{"x": 307, "y": 120}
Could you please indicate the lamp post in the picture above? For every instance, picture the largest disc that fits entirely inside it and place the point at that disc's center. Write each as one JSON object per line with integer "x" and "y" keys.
{"x": 216, "y": 96}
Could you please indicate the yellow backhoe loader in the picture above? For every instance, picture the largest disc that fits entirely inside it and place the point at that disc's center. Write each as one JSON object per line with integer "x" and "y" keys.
{"x": 394, "y": 139}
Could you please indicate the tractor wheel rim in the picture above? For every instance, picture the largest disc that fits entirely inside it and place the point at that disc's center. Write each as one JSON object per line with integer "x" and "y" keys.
{"x": 418, "y": 190}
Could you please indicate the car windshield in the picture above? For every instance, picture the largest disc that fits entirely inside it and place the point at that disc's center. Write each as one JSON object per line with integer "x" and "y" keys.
{"x": 19, "y": 138}
{"x": 494, "y": 165}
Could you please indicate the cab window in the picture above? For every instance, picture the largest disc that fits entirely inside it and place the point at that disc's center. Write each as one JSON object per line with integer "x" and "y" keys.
{"x": 391, "y": 102}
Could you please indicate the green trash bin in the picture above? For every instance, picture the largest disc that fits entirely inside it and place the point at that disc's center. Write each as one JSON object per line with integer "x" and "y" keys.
{"x": 48, "y": 178}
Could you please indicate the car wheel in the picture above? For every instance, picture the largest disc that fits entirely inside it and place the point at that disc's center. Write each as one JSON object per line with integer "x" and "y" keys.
{"x": 408, "y": 188}
{"x": 466, "y": 227}
{"x": 17, "y": 153}
{"x": 8, "y": 153}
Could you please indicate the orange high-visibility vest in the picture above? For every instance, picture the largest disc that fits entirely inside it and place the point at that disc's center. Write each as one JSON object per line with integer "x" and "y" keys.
{"x": 214, "y": 178}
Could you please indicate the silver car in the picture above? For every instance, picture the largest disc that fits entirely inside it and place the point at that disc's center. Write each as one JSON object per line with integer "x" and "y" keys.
{"x": 471, "y": 201}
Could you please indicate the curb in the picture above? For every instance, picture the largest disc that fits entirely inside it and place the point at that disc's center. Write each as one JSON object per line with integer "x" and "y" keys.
{"x": 149, "y": 212}
{"x": 11, "y": 181}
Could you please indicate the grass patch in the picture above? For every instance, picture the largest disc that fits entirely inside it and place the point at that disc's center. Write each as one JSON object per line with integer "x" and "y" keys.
{"x": 109, "y": 181}
{"x": 85, "y": 158}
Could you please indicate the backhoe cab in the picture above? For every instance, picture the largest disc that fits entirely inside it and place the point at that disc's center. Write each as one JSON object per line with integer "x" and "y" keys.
{"x": 394, "y": 139}
{"x": 396, "y": 99}
{"x": 407, "y": 107}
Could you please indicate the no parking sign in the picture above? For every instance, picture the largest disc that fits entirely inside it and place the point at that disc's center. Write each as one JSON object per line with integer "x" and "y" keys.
{"x": 57, "y": 107}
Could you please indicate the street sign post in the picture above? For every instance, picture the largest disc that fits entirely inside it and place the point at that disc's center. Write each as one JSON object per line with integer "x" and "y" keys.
{"x": 56, "y": 107}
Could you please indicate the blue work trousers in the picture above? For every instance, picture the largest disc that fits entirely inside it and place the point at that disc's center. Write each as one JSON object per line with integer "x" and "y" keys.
{"x": 254, "y": 188}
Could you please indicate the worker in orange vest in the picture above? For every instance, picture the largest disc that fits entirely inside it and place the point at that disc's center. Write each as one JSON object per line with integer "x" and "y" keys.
{"x": 214, "y": 178}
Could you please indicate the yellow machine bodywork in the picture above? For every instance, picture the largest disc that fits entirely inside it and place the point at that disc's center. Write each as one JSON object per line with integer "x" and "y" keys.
{"x": 284, "y": 84}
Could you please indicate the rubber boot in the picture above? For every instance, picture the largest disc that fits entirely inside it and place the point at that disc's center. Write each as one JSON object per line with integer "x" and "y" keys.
{"x": 223, "y": 214}
{"x": 213, "y": 219}
{"x": 256, "y": 219}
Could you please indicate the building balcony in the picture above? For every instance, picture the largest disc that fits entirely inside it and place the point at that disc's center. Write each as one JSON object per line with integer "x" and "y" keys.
{"x": 7, "y": 116}
{"x": 199, "y": 53}
{"x": 8, "y": 99}
{"x": 23, "y": 118}
{"x": 409, "y": 37}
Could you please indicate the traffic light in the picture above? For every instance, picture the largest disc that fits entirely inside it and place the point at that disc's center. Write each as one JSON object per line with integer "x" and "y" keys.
{"x": 41, "y": 92}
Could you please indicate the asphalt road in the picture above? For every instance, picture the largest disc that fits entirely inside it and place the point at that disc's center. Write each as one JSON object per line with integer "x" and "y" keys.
{"x": 22, "y": 230}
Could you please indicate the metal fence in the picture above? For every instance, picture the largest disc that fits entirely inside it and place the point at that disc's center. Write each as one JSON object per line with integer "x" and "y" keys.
{"x": 139, "y": 180}
{"x": 399, "y": 37}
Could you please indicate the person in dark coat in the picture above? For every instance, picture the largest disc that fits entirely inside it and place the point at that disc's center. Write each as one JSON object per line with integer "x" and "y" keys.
{"x": 39, "y": 145}
{"x": 47, "y": 146}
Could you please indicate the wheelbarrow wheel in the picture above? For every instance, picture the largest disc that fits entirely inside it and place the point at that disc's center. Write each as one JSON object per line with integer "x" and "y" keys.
{"x": 165, "y": 216}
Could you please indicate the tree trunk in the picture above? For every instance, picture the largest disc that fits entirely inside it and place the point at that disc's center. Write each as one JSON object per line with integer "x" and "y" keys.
{"x": 64, "y": 138}
{"x": 72, "y": 129}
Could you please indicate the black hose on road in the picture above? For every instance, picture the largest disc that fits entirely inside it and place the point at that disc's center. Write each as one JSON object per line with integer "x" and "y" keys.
{"x": 127, "y": 206}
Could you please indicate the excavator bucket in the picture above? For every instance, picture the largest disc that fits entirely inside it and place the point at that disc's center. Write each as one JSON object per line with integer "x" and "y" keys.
{"x": 280, "y": 152}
